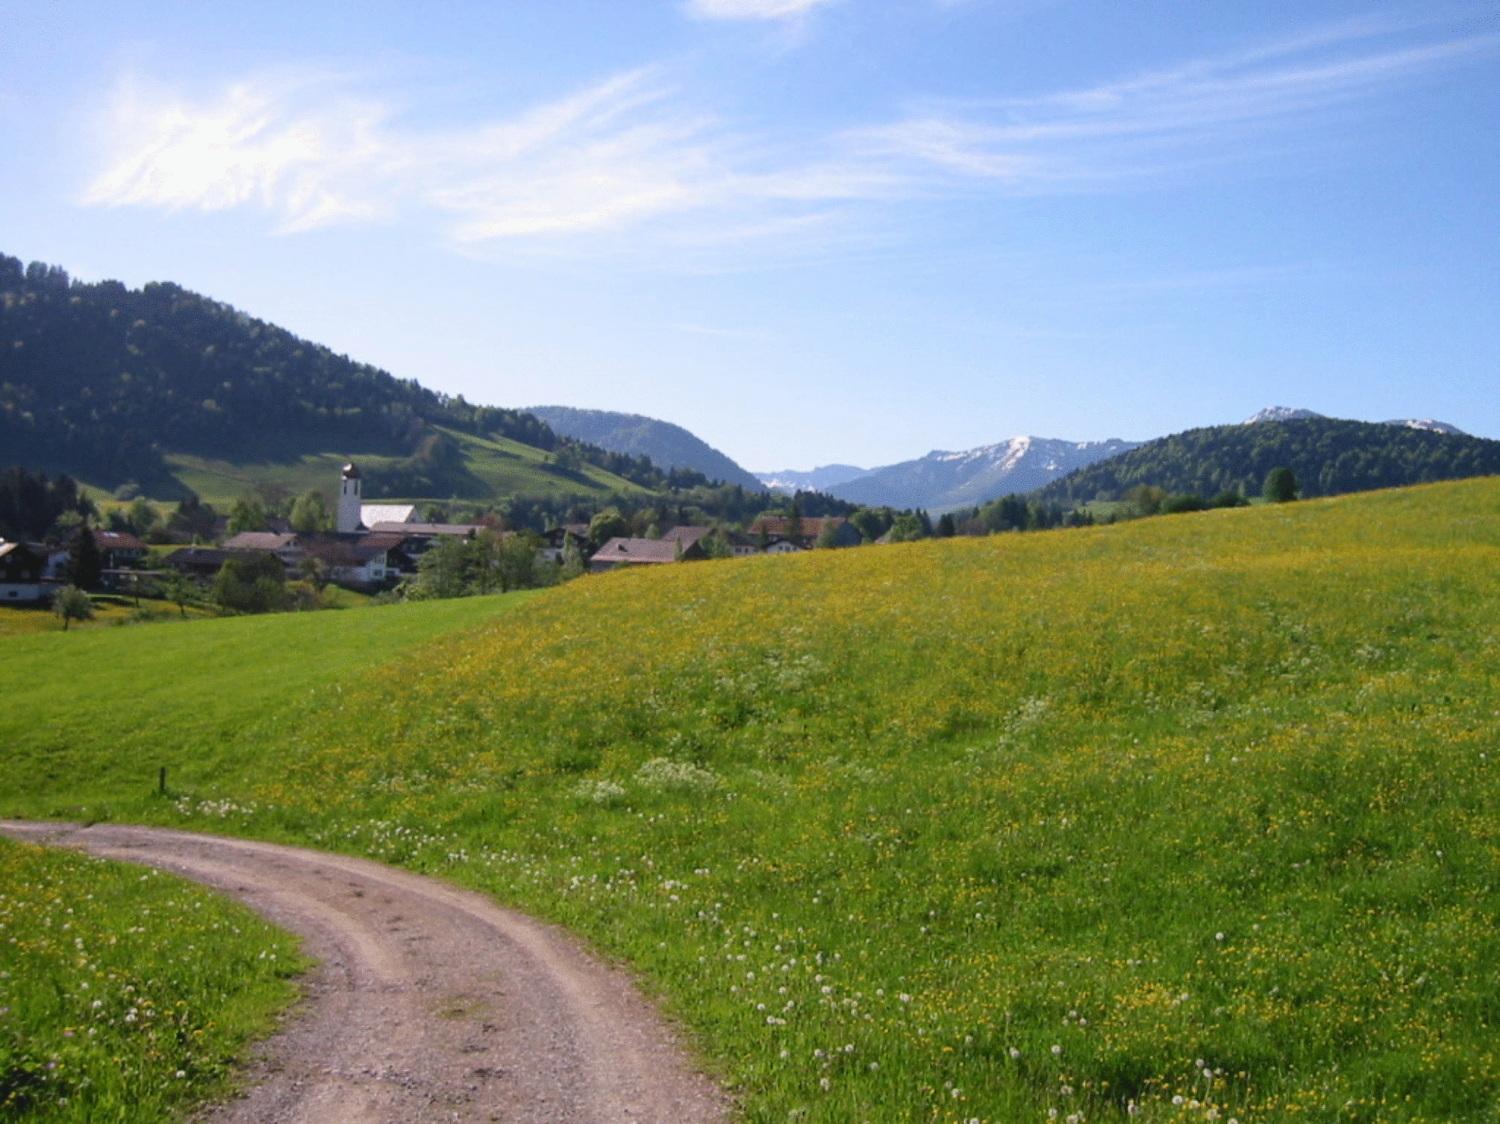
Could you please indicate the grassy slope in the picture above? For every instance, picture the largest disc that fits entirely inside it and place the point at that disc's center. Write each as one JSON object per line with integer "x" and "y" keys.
{"x": 109, "y": 1010}
{"x": 963, "y": 829}
{"x": 503, "y": 466}
{"x": 191, "y": 695}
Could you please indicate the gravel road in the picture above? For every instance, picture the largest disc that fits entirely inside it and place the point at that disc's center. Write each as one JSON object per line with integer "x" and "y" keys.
{"x": 428, "y": 1002}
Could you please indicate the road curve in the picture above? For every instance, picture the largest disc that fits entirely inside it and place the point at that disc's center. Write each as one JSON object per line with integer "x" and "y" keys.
{"x": 428, "y": 1002}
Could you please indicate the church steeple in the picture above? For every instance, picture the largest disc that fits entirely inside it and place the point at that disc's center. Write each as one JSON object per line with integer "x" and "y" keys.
{"x": 351, "y": 496}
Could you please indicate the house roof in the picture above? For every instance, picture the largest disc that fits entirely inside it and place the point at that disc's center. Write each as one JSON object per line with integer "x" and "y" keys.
{"x": 429, "y": 530}
{"x": 7, "y": 548}
{"x": 117, "y": 540}
{"x": 268, "y": 541}
{"x": 382, "y": 540}
{"x": 687, "y": 535}
{"x": 623, "y": 550}
{"x": 373, "y": 513}
{"x": 345, "y": 551}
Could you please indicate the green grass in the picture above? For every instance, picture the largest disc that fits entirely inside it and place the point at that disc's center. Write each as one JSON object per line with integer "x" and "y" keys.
{"x": 190, "y": 694}
{"x": 498, "y": 467}
{"x": 125, "y": 994}
{"x": 109, "y": 611}
{"x": 1197, "y": 808}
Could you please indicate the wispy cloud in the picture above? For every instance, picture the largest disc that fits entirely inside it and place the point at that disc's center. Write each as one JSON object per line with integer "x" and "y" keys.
{"x": 1160, "y": 120}
{"x": 631, "y": 155}
{"x": 751, "y": 9}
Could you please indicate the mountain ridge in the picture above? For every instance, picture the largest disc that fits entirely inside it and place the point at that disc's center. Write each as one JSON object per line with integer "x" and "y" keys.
{"x": 947, "y": 480}
{"x": 667, "y": 444}
{"x": 1329, "y": 456}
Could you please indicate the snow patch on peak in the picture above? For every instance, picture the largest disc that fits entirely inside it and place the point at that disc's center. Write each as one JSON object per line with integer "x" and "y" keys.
{"x": 1430, "y": 424}
{"x": 1280, "y": 414}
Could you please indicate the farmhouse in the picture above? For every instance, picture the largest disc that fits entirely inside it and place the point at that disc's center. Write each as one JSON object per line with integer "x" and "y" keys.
{"x": 119, "y": 550}
{"x": 642, "y": 552}
{"x": 22, "y": 570}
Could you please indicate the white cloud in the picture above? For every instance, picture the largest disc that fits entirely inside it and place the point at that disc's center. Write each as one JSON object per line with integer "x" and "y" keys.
{"x": 751, "y": 9}
{"x": 628, "y": 157}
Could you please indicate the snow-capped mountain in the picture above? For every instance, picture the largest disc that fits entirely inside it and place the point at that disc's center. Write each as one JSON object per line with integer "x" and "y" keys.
{"x": 1292, "y": 413}
{"x": 942, "y": 481}
{"x": 1280, "y": 414}
{"x": 1428, "y": 423}
{"x": 820, "y": 479}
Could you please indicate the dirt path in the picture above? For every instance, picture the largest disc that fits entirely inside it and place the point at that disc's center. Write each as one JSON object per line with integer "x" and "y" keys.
{"x": 429, "y": 1002}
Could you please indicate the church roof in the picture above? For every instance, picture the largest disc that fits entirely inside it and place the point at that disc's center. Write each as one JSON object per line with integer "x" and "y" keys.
{"x": 372, "y": 513}
{"x": 351, "y": 471}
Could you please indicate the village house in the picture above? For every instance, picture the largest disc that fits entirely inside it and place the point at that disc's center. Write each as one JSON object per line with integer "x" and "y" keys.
{"x": 120, "y": 550}
{"x": 620, "y": 552}
{"x": 23, "y": 574}
{"x": 201, "y": 562}
{"x": 555, "y": 541}
{"x": 361, "y": 563}
{"x": 286, "y": 546}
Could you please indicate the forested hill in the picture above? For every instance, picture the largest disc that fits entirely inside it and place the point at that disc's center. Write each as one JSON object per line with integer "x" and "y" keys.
{"x": 102, "y": 382}
{"x": 665, "y": 444}
{"x": 1328, "y": 456}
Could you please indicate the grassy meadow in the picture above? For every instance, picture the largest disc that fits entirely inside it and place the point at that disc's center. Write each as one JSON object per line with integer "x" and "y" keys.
{"x": 1192, "y": 818}
{"x": 109, "y": 1007}
{"x": 498, "y": 467}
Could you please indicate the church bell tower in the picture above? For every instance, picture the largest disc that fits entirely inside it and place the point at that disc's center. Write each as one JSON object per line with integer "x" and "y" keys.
{"x": 351, "y": 495}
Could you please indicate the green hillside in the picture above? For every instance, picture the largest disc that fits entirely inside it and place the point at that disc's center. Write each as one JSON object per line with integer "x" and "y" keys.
{"x": 663, "y": 443}
{"x": 1329, "y": 456}
{"x": 490, "y": 467}
{"x": 164, "y": 388}
{"x": 1193, "y": 817}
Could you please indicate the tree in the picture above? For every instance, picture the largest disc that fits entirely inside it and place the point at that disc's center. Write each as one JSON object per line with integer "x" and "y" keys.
{"x": 946, "y": 527}
{"x": 608, "y": 524}
{"x": 30, "y": 505}
{"x": 84, "y": 561}
{"x": 906, "y": 527}
{"x": 254, "y": 583}
{"x": 247, "y": 515}
{"x": 180, "y": 591}
{"x": 572, "y": 559}
{"x": 868, "y": 523}
{"x": 515, "y": 560}
{"x": 1146, "y": 498}
{"x": 443, "y": 571}
{"x": 1281, "y": 485}
{"x": 310, "y": 512}
{"x": 193, "y": 518}
{"x": 72, "y": 604}
{"x": 716, "y": 544}
{"x": 794, "y": 520}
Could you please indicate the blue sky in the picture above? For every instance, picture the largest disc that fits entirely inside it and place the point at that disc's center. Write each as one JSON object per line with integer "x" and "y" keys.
{"x": 808, "y": 230}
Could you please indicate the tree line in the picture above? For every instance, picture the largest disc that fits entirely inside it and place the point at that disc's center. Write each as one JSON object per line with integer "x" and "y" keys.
{"x": 1328, "y": 456}
{"x": 101, "y": 381}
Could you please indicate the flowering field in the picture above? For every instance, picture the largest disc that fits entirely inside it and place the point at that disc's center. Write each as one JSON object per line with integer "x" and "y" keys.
{"x": 109, "y": 1007}
{"x": 1187, "y": 819}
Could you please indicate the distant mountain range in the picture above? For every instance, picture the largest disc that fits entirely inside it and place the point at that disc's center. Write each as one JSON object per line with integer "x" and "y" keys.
{"x": 1294, "y": 413}
{"x": 944, "y": 481}
{"x": 667, "y": 445}
{"x": 820, "y": 479}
